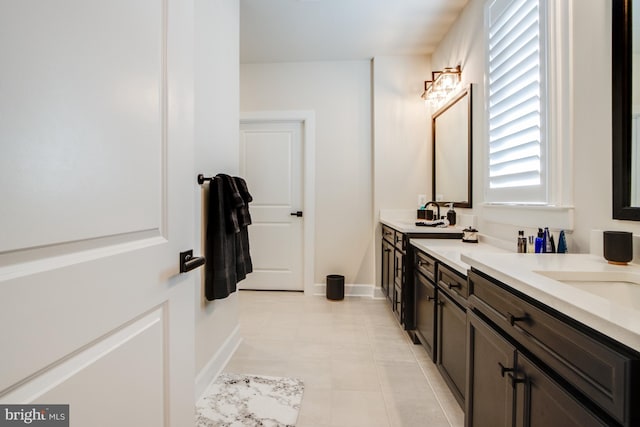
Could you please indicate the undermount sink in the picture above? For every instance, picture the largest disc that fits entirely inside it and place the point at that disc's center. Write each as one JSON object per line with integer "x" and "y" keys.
{"x": 622, "y": 287}
{"x": 593, "y": 277}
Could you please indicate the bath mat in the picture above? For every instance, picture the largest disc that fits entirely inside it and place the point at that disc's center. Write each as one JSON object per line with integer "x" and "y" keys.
{"x": 250, "y": 400}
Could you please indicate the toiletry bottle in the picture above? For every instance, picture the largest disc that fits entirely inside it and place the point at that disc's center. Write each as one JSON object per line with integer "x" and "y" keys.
{"x": 522, "y": 242}
{"x": 548, "y": 243}
{"x": 562, "y": 243}
{"x": 451, "y": 215}
{"x": 539, "y": 241}
{"x": 531, "y": 244}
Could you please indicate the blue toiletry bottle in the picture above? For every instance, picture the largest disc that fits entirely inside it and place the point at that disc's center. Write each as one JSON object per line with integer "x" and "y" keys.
{"x": 539, "y": 246}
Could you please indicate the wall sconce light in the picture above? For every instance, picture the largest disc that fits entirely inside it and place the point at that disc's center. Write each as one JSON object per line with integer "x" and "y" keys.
{"x": 441, "y": 86}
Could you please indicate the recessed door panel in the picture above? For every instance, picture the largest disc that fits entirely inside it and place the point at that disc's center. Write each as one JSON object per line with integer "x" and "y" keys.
{"x": 82, "y": 120}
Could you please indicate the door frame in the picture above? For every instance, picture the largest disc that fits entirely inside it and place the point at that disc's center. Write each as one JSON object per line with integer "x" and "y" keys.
{"x": 308, "y": 120}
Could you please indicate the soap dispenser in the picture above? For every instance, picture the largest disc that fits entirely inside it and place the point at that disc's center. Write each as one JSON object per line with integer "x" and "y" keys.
{"x": 451, "y": 215}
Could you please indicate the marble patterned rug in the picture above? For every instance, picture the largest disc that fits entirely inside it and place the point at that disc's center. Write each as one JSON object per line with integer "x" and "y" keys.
{"x": 249, "y": 400}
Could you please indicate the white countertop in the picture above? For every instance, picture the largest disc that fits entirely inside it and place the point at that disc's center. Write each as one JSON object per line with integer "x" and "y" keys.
{"x": 406, "y": 226}
{"x": 611, "y": 308}
{"x": 449, "y": 251}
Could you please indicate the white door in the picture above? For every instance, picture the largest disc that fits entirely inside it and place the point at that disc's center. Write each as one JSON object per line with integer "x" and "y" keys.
{"x": 96, "y": 201}
{"x": 271, "y": 162}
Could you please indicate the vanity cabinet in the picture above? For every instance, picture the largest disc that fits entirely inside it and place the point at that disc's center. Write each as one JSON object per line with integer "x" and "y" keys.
{"x": 399, "y": 302}
{"x": 452, "y": 329}
{"x": 507, "y": 389}
{"x": 531, "y": 365}
{"x": 441, "y": 319}
{"x": 490, "y": 395}
{"x": 452, "y": 344}
{"x": 397, "y": 271}
{"x": 392, "y": 268}
{"x": 388, "y": 259}
{"x": 425, "y": 302}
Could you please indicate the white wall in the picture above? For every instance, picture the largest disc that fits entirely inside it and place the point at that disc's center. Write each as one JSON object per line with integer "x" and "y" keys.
{"x": 402, "y": 132}
{"x": 216, "y": 139}
{"x": 591, "y": 127}
{"x": 340, "y": 95}
{"x": 402, "y": 153}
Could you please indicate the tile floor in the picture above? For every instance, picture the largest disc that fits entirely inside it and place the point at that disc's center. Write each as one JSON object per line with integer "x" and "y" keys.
{"x": 358, "y": 366}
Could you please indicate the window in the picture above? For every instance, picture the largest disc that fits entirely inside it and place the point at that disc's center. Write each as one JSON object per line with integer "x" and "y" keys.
{"x": 516, "y": 102}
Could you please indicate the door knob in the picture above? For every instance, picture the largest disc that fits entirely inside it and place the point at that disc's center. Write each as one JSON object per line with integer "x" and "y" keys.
{"x": 298, "y": 214}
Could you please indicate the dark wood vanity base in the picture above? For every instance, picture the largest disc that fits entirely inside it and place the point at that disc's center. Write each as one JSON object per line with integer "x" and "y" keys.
{"x": 545, "y": 366}
{"x": 397, "y": 272}
{"x": 441, "y": 319}
{"x": 511, "y": 360}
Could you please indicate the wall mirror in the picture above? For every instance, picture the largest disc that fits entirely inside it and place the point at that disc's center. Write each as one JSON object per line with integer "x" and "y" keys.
{"x": 451, "y": 131}
{"x": 625, "y": 87}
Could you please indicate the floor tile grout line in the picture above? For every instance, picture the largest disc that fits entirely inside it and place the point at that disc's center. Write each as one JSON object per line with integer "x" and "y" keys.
{"x": 435, "y": 394}
{"x": 385, "y": 399}
{"x": 415, "y": 357}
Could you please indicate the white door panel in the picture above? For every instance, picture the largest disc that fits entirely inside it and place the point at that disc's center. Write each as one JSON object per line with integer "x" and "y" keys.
{"x": 267, "y": 163}
{"x": 97, "y": 184}
{"x": 135, "y": 350}
{"x": 271, "y": 162}
{"x": 81, "y": 115}
{"x": 272, "y": 242}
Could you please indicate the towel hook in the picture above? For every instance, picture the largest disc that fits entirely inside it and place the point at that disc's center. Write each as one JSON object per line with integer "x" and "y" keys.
{"x": 202, "y": 179}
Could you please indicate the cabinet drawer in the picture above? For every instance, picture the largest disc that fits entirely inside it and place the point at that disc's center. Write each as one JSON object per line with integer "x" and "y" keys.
{"x": 425, "y": 265}
{"x": 573, "y": 351}
{"x": 400, "y": 241}
{"x": 452, "y": 281}
{"x": 388, "y": 234}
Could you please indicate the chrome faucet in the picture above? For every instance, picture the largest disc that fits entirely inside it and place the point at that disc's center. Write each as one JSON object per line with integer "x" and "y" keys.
{"x": 437, "y": 207}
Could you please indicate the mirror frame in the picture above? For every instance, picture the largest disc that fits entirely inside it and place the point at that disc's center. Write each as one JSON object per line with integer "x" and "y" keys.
{"x": 621, "y": 86}
{"x": 465, "y": 91}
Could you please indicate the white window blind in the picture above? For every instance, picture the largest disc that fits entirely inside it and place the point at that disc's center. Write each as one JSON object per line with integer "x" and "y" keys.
{"x": 516, "y": 97}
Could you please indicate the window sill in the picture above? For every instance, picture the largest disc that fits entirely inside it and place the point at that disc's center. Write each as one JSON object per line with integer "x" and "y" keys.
{"x": 532, "y": 216}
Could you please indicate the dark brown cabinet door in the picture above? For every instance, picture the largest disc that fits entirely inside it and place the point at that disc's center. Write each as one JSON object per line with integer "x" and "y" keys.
{"x": 490, "y": 394}
{"x": 387, "y": 269}
{"x": 398, "y": 280}
{"x": 542, "y": 403}
{"x": 452, "y": 344}
{"x": 425, "y": 313}
{"x": 397, "y": 302}
{"x": 398, "y": 274}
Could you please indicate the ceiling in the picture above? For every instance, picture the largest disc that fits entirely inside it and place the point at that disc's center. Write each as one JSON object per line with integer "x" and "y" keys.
{"x": 333, "y": 30}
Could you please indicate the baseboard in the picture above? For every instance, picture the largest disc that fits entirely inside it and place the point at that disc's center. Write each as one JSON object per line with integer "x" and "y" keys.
{"x": 217, "y": 363}
{"x": 351, "y": 290}
{"x": 377, "y": 293}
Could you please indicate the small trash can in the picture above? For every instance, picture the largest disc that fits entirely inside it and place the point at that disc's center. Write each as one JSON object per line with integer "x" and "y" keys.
{"x": 335, "y": 287}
